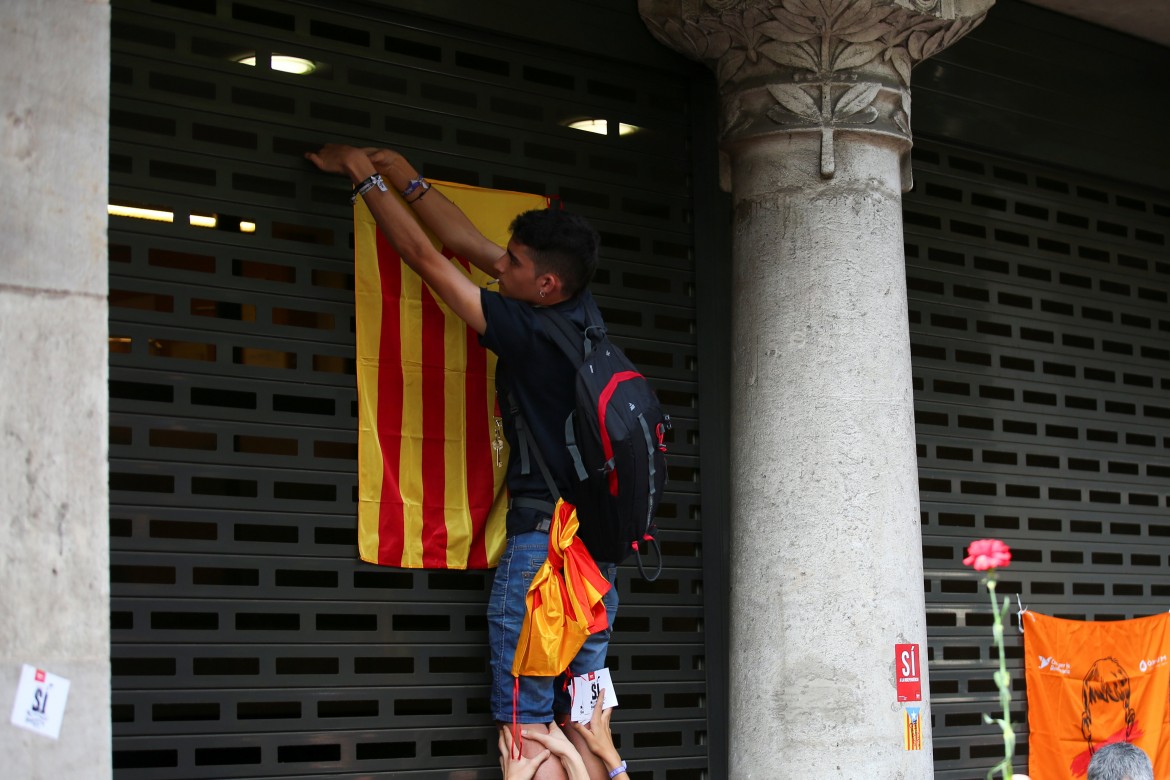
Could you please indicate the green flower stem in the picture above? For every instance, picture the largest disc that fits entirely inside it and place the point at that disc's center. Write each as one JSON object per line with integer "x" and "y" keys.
{"x": 1003, "y": 681}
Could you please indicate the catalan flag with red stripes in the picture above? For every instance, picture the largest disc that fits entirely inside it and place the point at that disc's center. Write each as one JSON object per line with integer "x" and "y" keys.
{"x": 431, "y": 488}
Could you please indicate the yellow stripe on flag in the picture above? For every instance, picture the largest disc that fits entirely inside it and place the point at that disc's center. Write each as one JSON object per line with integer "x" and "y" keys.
{"x": 368, "y": 311}
{"x": 411, "y": 481}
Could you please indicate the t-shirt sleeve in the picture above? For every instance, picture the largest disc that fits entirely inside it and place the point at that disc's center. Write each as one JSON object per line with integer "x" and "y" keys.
{"x": 511, "y": 326}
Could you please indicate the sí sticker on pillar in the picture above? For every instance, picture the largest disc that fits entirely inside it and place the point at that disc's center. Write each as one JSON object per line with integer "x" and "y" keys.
{"x": 908, "y": 672}
{"x": 40, "y": 701}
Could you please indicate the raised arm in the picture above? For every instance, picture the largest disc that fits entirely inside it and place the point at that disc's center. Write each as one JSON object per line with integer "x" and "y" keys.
{"x": 439, "y": 214}
{"x": 400, "y": 229}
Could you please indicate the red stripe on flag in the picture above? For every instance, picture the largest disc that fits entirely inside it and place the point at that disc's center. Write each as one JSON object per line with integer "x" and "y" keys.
{"x": 391, "y": 531}
{"x": 434, "y": 461}
{"x": 480, "y": 458}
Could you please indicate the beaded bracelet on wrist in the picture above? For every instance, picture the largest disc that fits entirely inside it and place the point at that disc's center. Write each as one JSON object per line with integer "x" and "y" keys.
{"x": 369, "y": 183}
{"x": 418, "y": 182}
{"x": 426, "y": 188}
{"x": 419, "y": 185}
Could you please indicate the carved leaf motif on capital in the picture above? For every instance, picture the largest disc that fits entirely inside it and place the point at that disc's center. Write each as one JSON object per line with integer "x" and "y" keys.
{"x": 839, "y": 63}
{"x": 744, "y": 36}
{"x": 825, "y": 36}
{"x": 854, "y": 107}
{"x": 921, "y": 37}
{"x": 818, "y": 36}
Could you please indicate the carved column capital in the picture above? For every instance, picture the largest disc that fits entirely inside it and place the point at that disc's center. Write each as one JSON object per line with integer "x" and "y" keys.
{"x": 812, "y": 65}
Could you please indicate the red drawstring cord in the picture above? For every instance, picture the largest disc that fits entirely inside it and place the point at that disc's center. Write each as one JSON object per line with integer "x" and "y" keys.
{"x": 517, "y": 735}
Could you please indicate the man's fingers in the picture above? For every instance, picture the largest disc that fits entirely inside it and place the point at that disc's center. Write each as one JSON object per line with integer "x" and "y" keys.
{"x": 539, "y": 737}
{"x": 600, "y": 717}
{"x": 330, "y": 158}
{"x": 506, "y": 741}
{"x": 328, "y": 165}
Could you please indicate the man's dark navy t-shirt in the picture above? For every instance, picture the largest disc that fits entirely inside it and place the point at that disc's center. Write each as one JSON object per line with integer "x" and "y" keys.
{"x": 542, "y": 381}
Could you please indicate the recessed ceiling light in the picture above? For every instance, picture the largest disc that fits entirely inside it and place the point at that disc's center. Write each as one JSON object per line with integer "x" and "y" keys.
{"x": 285, "y": 63}
{"x": 161, "y": 215}
{"x": 601, "y": 127}
{"x": 134, "y": 212}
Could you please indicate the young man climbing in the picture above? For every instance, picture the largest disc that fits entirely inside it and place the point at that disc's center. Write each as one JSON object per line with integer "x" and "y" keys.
{"x": 548, "y": 263}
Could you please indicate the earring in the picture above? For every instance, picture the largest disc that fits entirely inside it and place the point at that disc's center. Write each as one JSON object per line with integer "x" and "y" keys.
{"x": 542, "y": 293}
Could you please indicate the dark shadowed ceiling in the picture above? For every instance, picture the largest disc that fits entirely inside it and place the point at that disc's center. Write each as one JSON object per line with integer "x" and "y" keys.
{"x": 1148, "y": 19}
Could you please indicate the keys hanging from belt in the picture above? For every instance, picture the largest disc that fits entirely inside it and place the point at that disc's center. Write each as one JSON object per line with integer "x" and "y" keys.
{"x": 498, "y": 442}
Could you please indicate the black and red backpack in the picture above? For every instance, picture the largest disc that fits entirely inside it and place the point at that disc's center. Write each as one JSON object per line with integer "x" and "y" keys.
{"x": 615, "y": 440}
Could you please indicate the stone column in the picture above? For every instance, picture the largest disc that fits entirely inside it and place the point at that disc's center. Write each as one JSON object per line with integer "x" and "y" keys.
{"x": 826, "y": 561}
{"x": 54, "y": 517}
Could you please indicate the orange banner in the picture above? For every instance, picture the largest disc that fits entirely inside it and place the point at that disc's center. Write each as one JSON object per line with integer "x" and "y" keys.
{"x": 431, "y": 488}
{"x": 1092, "y": 683}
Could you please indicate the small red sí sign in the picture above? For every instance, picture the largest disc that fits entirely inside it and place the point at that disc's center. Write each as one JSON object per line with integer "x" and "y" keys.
{"x": 908, "y": 672}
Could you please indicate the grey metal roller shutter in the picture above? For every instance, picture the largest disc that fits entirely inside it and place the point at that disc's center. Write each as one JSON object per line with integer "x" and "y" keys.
{"x": 248, "y": 641}
{"x": 1041, "y": 347}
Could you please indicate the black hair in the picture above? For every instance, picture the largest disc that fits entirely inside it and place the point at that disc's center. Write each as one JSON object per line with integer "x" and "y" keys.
{"x": 562, "y": 243}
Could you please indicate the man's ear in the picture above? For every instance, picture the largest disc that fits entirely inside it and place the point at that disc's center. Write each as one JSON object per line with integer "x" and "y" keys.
{"x": 550, "y": 285}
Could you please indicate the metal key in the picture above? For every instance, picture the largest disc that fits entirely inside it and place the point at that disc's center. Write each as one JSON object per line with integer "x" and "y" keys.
{"x": 498, "y": 442}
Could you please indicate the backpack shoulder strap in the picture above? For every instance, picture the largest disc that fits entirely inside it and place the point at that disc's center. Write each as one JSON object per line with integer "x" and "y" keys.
{"x": 565, "y": 334}
{"x": 528, "y": 444}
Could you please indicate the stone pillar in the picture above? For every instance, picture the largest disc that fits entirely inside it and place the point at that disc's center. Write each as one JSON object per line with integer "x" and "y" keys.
{"x": 54, "y": 516}
{"x": 826, "y": 561}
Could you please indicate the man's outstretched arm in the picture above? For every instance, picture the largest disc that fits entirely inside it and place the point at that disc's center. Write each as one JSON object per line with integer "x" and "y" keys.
{"x": 440, "y": 215}
{"x": 400, "y": 229}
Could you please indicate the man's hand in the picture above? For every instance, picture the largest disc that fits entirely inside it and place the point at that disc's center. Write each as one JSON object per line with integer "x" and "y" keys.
{"x": 398, "y": 225}
{"x": 341, "y": 158}
{"x": 444, "y": 219}
{"x": 388, "y": 162}
{"x": 521, "y": 768}
{"x": 560, "y": 746}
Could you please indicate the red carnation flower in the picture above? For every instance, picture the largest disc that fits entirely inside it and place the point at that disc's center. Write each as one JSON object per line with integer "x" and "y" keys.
{"x": 987, "y": 554}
